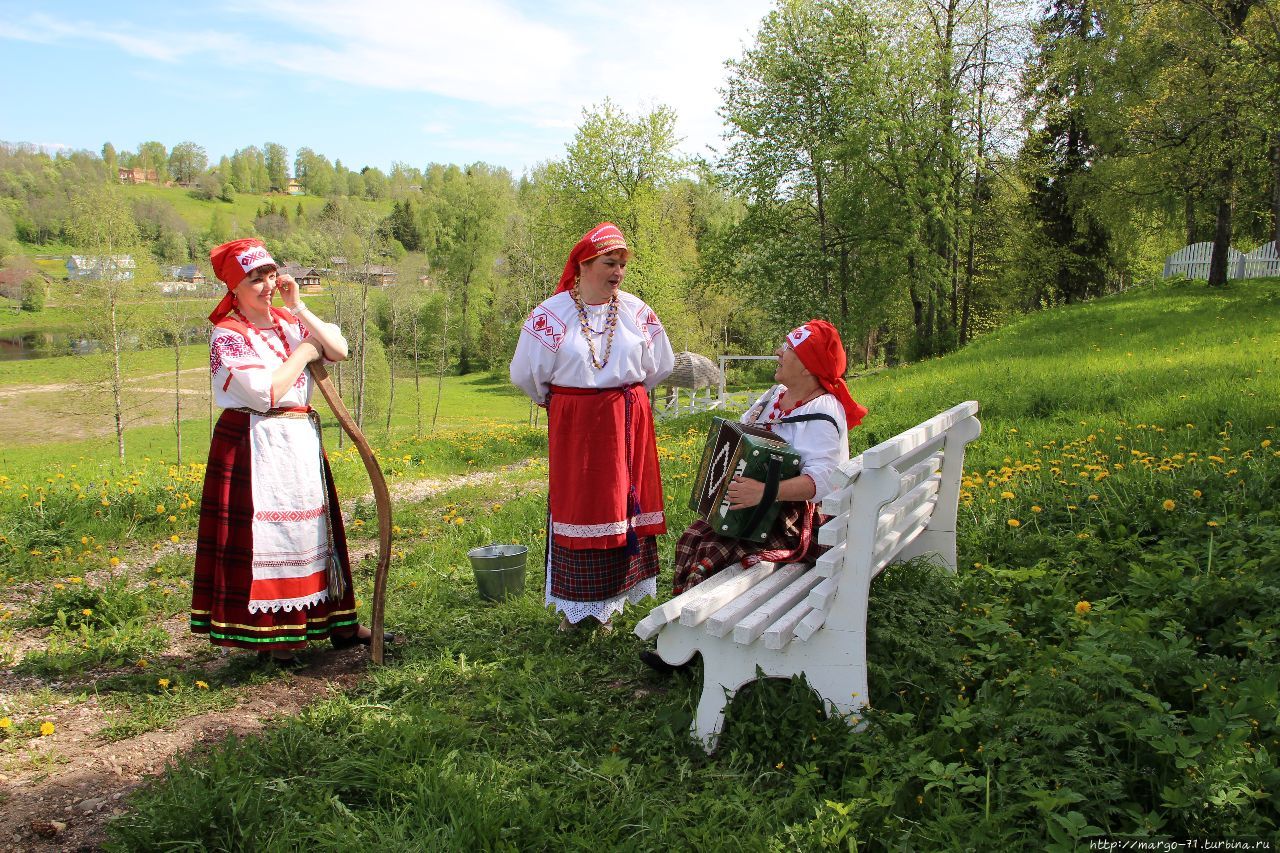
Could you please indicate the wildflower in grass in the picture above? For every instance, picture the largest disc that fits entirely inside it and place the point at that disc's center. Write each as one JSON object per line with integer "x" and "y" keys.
{"x": 75, "y": 579}
{"x": 358, "y": 523}
{"x": 142, "y": 663}
{"x": 172, "y": 519}
{"x": 57, "y": 585}
{"x": 779, "y": 765}
{"x": 163, "y": 682}
{"x": 46, "y": 729}
{"x": 159, "y": 509}
{"x": 1082, "y": 535}
{"x": 86, "y": 612}
{"x": 1013, "y": 522}
{"x": 175, "y": 538}
{"x": 459, "y": 521}
{"x": 106, "y": 502}
{"x": 1093, "y": 497}
{"x": 200, "y": 685}
{"x": 5, "y": 723}
{"x": 1036, "y": 509}
{"x": 395, "y": 528}
{"x": 1083, "y": 607}
{"x": 1211, "y": 523}
{"x": 1169, "y": 505}
{"x": 1197, "y": 494}
{"x": 84, "y": 540}
{"x": 1266, "y": 442}
{"x": 114, "y": 561}
{"x": 1007, "y": 495}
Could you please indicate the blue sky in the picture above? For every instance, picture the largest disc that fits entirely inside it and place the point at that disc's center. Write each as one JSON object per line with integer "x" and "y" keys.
{"x": 369, "y": 82}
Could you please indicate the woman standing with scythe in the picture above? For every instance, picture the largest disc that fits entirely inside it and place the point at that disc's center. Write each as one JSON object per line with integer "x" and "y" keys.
{"x": 271, "y": 569}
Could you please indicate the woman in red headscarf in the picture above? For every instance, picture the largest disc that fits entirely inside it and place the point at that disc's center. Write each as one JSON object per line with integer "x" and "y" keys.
{"x": 590, "y": 354}
{"x": 271, "y": 558}
{"x": 811, "y": 393}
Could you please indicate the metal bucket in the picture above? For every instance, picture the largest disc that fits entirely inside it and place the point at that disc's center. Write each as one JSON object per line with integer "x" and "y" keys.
{"x": 499, "y": 570}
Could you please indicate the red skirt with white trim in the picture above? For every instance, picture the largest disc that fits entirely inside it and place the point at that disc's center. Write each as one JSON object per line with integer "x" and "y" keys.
{"x": 604, "y": 476}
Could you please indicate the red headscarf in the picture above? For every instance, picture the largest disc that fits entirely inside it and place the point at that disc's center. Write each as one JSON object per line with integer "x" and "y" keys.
{"x": 232, "y": 263}
{"x": 818, "y": 345}
{"x": 604, "y": 238}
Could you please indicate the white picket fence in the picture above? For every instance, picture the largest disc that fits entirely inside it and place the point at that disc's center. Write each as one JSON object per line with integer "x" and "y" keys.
{"x": 1193, "y": 262}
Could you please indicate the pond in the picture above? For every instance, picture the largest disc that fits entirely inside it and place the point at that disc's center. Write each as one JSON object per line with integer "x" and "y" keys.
{"x": 25, "y": 346}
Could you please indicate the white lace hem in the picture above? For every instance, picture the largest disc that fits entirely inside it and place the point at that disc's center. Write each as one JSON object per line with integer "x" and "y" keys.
{"x": 576, "y": 611}
{"x": 287, "y": 604}
{"x": 611, "y": 528}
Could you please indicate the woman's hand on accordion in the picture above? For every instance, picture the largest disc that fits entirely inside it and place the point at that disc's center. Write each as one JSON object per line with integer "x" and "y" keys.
{"x": 744, "y": 492}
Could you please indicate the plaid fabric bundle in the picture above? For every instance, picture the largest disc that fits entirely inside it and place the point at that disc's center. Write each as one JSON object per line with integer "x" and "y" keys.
{"x": 701, "y": 552}
{"x": 224, "y": 557}
{"x": 598, "y": 574}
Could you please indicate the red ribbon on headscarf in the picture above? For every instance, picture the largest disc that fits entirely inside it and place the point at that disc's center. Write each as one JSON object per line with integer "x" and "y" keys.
{"x": 818, "y": 345}
{"x": 232, "y": 262}
{"x": 604, "y": 238}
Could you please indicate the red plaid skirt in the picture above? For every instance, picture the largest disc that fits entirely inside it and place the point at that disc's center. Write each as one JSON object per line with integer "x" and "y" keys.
{"x": 224, "y": 557}
{"x": 701, "y": 552}
{"x": 598, "y": 574}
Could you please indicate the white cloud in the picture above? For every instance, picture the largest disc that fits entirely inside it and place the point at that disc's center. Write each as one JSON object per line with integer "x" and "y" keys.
{"x": 163, "y": 47}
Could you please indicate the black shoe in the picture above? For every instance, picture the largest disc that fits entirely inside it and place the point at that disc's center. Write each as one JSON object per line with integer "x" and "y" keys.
{"x": 290, "y": 662}
{"x": 355, "y": 639}
{"x": 654, "y": 661}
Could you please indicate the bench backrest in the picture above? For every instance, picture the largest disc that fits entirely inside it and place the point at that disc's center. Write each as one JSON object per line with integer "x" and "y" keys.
{"x": 894, "y": 501}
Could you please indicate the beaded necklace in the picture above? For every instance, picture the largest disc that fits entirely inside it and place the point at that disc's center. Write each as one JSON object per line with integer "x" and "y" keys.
{"x": 275, "y": 325}
{"x": 610, "y": 326}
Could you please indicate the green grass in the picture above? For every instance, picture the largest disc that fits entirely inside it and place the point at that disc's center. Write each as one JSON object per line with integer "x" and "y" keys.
{"x": 1101, "y": 668}
{"x": 243, "y": 209}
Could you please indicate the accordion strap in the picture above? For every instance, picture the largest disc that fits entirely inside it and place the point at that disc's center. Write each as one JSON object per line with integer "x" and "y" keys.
{"x": 813, "y": 416}
{"x": 772, "y": 478}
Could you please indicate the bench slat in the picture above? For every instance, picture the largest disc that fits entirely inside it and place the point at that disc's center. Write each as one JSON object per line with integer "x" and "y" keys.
{"x": 810, "y": 624}
{"x": 822, "y": 594}
{"x": 648, "y": 627}
{"x": 906, "y": 505}
{"x": 845, "y": 474}
{"x": 779, "y": 634}
{"x": 921, "y": 471}
{"x": 837, "y": 501}
{"x": 722, "y": 621}
{"x": 887, "y": 452}
{"x": 751, "y": 626}
{"x": 832, "y": 561}
{"x": 907, "y": 529}
{"x": 834, "y": 530}
{"x": 696, "y": 612}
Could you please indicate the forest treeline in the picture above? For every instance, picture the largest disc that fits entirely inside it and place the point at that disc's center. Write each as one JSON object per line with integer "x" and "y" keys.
{"x": 914, "y": 170}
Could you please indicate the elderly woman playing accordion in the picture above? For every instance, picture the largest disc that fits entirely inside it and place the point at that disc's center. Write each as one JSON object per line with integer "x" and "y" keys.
{"x": 590, "y": 354}
{"x": 810, "y": 409}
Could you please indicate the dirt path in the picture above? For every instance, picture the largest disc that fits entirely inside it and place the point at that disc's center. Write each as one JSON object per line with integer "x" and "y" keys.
{"x": 59, "y": 792}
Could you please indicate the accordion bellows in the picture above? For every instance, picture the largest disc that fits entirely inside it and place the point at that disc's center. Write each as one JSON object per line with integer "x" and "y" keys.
{"x": 738, "y": 449}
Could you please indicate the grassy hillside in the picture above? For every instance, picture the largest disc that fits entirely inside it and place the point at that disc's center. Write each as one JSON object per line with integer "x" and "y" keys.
{"x": 1103, "y": 663}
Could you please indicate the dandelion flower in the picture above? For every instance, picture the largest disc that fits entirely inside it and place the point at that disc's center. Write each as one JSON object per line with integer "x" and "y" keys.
{"x": 114, "y": 561}
{"x": 5, "y": 723}
{"x": 1036, "y": 509}
{"x": 779, "y": 765}
{"x": 1083, "y": 607}
{"x": 87, "y": 612}
{"x": 1211, "y": 523}
{"x": 175, "y": 538}
{"x": 159, "y": 509}
{"x": 172, "y": 519}
{"x": 163, "y": 682}
{"x": 84, "y": 540}
{"x": 1013, "y": 522}
{"x": 1197, "y": 494}
{"x": 1169, "y": 505}
{"x": 1007, "y": 495}
{"x": 200, "y": 685}
{"x": 46, "y": 729}
{"x": 74, "y": 579}
{"x": 1093, "y": 497}
{"x": 141, "y": 664}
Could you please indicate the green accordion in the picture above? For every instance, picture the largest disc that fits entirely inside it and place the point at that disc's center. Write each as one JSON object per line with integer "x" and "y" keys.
{"x": 735, "y": 449}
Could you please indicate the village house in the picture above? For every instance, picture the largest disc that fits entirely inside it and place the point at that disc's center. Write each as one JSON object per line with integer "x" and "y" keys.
{"x": 138, "y": 175}
{"x": 100, "y": 268}
{"x": 308, "y": 278}
{"x": 375, "y": 274}
{"x": 185, "y": 272}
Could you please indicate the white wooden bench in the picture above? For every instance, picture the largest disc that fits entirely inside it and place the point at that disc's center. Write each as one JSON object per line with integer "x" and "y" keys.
{"x": 895, "y": 501}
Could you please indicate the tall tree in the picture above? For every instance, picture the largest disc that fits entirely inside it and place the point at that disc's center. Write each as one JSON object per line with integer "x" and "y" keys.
{"x": 276, "y": 161}
{"x": 186, "y": 161}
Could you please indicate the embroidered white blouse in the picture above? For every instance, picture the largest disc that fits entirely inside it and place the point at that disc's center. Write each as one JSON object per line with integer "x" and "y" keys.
{"x": 241, "y": 372}
{"x": 822, "y": 448}
{"x": 553, "y": 351}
